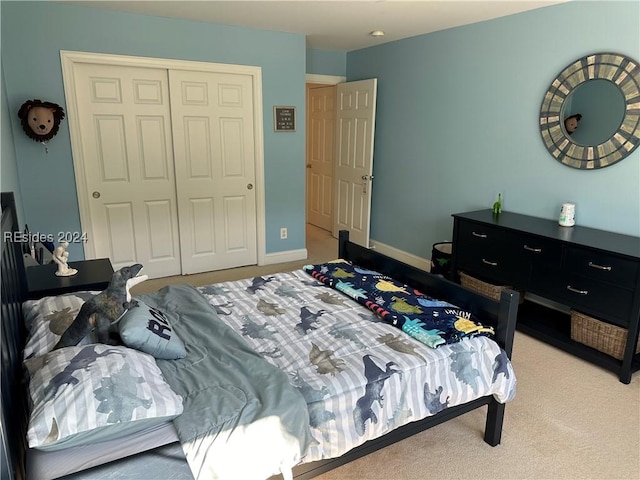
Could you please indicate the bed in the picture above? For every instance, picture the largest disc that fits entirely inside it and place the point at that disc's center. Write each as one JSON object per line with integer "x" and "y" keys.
{"x": 306, "y": 336}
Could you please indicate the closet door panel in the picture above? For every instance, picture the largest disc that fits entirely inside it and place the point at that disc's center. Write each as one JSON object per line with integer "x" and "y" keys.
{"x": 212, "y": 116}
{"x": 126, "y": 152}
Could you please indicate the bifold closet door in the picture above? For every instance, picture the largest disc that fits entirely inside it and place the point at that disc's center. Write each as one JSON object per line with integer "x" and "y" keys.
{"x": 127, "y": 157}
{"x": 213, "y": 136}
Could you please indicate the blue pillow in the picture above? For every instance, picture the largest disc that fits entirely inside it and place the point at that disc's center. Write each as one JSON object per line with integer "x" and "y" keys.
{"x": 149, "y": 330}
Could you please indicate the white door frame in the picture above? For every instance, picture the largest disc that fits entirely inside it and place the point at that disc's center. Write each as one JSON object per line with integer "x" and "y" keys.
{"x": 70, "y": 58}
{"x": 326, "y": 79}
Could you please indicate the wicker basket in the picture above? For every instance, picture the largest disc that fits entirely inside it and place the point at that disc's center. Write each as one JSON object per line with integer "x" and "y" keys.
{"x": 487, "y": 289}
{"x": 602, "y": 336}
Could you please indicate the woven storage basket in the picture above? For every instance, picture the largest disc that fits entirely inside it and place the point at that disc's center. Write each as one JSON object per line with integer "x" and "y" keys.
{"x": 487, "y": 289}
{"x": 602, "y": 336}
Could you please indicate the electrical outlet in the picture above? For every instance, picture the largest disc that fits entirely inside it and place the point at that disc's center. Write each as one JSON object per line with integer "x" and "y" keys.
{"x": 283, "y": 233}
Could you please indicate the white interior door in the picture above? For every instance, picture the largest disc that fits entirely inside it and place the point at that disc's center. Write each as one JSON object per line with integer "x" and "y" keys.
{"x": 215, "y": 169}
{"x": 127, "y": 152}
{"x": 355, "y": 128}
{"x": 321, "y": 111}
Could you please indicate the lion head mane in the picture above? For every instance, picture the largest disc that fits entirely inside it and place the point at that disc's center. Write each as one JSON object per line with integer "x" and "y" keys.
{"x": 40, "y": 120}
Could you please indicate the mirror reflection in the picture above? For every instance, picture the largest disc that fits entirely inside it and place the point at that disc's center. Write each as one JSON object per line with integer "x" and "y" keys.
{"x": 593, "y": 112}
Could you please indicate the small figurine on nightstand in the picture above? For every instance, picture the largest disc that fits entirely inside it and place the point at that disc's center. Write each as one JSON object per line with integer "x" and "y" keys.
{"x": 61, "y": 257}
{"x": 497, "y": 205}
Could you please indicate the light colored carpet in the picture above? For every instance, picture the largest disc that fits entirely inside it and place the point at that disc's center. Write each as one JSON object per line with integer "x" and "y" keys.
{"x": 570, "y": 419}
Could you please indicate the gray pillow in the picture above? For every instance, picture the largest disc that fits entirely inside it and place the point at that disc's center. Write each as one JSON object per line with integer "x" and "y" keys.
{"x": 149, "y": 330}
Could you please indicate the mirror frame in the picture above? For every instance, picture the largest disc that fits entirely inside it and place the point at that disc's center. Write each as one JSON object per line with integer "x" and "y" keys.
{"x": 624, "y": 73}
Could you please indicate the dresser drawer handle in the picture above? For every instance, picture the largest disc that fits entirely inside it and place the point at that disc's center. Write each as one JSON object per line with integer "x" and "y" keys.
{"x": 531, "y": 249}
{"x": 493, "y": 264}
{"x": 600, "y": 267}
{"x": 575, "y": 290}
{"x": 480, "y": 235}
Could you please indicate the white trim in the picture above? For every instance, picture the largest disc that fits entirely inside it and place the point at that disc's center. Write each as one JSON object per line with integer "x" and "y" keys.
{"x": 73, "y": 123}
{"x": 402, "y": 256}
{"x": 284, "y": 257}
{"x": 70, "y": 58}
{"x": 328, "y": 79}
{"x": 150, "y": 62}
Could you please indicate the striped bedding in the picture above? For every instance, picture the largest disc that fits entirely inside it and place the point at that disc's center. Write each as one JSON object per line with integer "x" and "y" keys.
{"x": 361, "y": 377}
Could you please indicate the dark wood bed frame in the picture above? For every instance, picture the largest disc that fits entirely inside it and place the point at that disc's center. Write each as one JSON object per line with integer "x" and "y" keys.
{"x": 500, "y": 314}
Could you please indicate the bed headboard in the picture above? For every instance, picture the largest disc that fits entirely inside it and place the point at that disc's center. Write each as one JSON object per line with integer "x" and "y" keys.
{"x": 14, "y": 408}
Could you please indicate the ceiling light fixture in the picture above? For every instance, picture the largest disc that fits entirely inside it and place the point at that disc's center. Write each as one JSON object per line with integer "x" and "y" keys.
{"x": 377, "y": 33}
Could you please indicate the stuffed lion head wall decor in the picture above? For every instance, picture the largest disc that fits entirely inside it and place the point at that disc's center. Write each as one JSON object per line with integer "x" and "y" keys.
{"x": 40, "y": 120}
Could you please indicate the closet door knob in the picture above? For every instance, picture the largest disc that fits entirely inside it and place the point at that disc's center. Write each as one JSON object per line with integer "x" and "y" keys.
{"x": 250, "y": 186}
{"x": 95, "y": 194}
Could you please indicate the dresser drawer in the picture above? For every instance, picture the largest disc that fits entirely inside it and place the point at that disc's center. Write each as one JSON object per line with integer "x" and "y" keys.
{"x": 602, "y": 266}
{"x": 540, "y": 252}
{"x": 585, "y": 294}
{"x": 495, "y": 268}
{"x": 488, "y": 252}
{"x": 483, "y": 238}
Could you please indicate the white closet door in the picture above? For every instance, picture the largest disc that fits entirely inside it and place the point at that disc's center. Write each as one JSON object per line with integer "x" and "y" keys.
{"x": 213, "y": 134}
{"x": 126, "y": 148}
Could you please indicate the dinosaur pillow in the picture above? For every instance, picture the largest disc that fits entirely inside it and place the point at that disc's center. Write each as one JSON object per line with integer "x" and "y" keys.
{"x": 46, "y": 320}
{"x": 94, "y": 393}
{"x": 149, "y": 330}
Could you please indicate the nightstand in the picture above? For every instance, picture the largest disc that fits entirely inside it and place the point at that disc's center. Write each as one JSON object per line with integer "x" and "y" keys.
{"x": 92, "y": 275}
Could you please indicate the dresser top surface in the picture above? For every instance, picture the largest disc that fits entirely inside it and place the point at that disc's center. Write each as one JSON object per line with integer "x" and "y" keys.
{"x": 578, "y": 235}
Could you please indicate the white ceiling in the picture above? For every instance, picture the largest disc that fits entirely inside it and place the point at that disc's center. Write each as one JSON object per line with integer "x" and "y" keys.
{"x": 332, "y": 25}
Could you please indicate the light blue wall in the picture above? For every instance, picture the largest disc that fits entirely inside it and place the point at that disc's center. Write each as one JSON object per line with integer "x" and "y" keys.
{"x": 457, "y": 122}
{"x": 32, "y": 70}
{"x": 9, "y": 169}
{"x": 326, "y": 62}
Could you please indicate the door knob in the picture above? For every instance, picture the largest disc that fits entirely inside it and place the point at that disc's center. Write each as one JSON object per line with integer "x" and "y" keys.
{"x": 249, "y": 186}
{"x": 95, "y": 194}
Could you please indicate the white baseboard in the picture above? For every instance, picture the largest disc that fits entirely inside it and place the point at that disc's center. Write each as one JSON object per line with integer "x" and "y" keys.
{"x": 284, "y": 257}
{"x": 409, "y": 258}
{"x": 301, "y": 254}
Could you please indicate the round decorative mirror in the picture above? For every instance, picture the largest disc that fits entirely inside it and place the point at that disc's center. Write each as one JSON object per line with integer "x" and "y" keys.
{"x": 590, "y": 115}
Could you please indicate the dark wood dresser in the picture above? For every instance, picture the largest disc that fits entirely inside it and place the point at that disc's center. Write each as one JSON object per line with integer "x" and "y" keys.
{"x": 589, "y": 270}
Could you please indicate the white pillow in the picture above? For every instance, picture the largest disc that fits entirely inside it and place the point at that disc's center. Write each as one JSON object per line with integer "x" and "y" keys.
{"x": 93, "y": 393}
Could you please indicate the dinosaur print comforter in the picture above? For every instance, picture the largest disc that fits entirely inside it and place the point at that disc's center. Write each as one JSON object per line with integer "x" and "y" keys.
{"x": 427, "y": 319}
{"x": 234, "y": 401}
{"x": 360, "y": 376}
